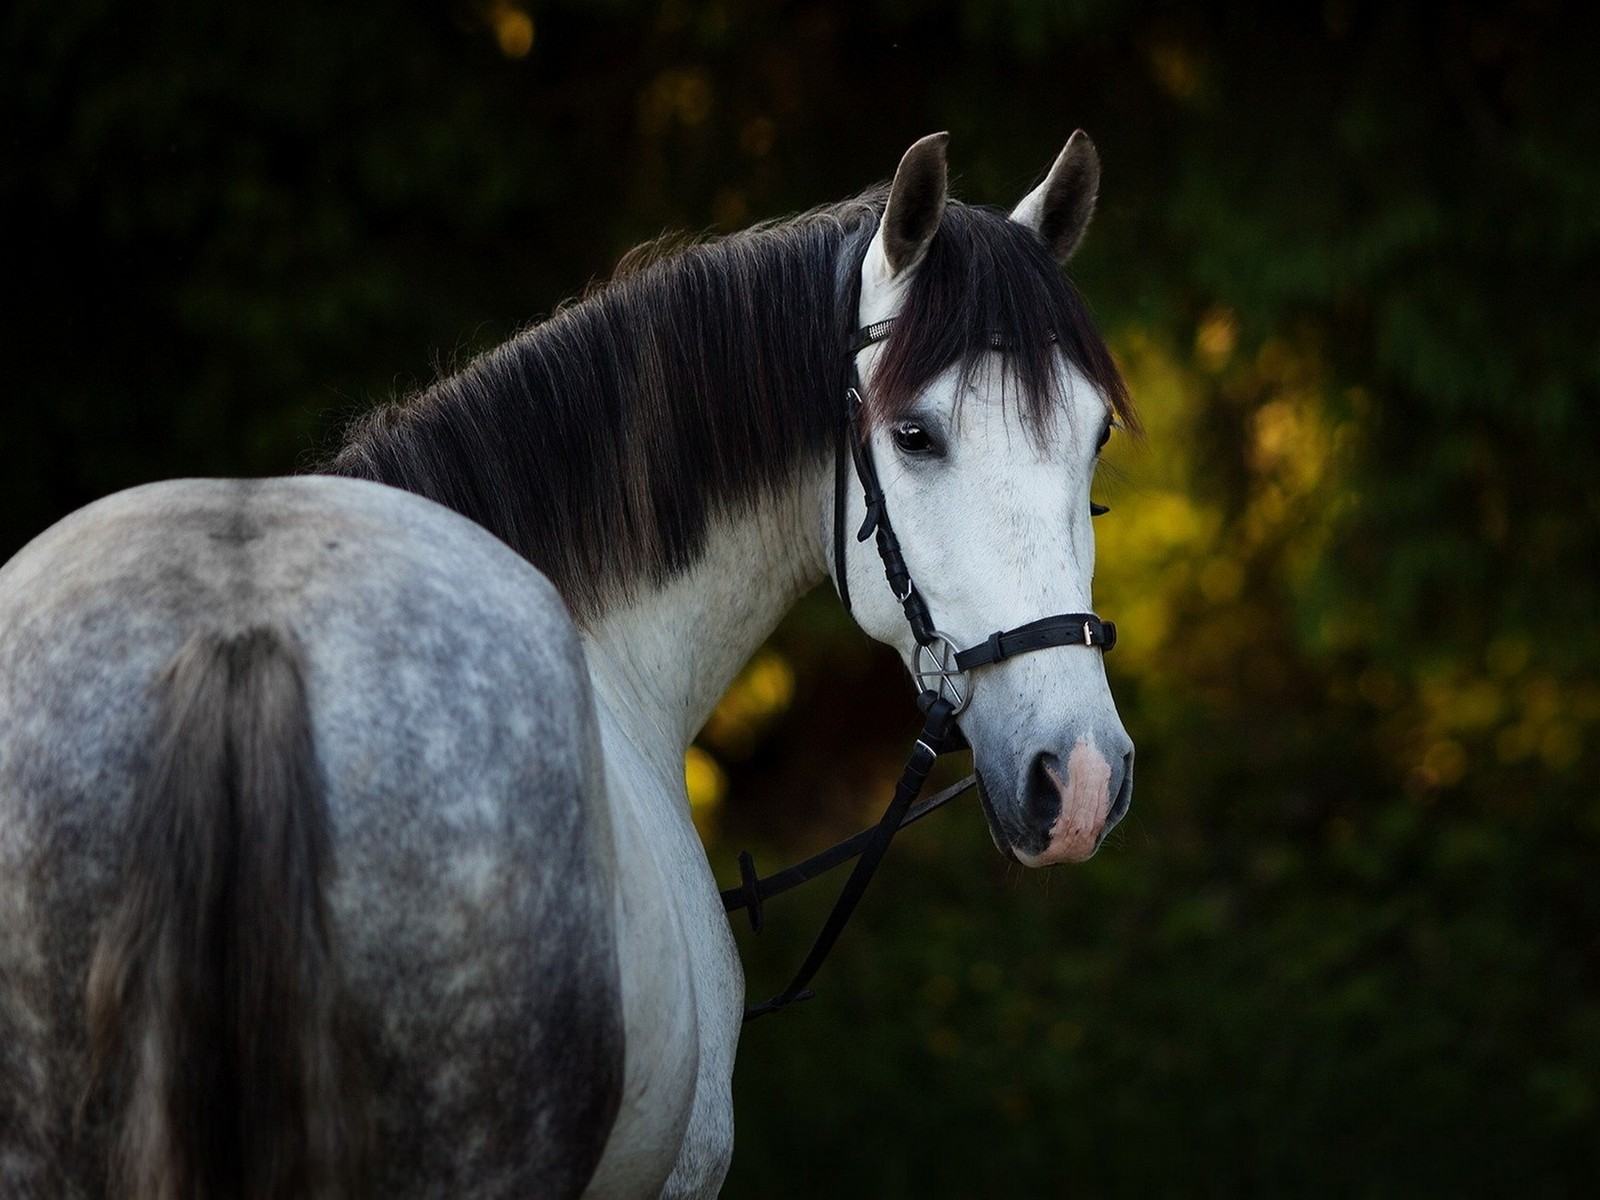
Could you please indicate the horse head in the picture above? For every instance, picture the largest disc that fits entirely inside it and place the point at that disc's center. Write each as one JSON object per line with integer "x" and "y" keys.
{"x": 987, "y": 396}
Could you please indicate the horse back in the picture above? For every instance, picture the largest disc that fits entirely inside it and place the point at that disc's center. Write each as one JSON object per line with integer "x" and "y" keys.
{"x": 453, "y": 776}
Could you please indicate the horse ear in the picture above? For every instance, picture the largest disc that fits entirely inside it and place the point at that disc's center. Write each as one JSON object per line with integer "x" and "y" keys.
{"x": 1058, "y": 210}
{"x": 916, "y": 205}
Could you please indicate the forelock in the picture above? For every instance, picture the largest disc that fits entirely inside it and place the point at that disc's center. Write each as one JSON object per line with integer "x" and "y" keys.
{"x": 987, "y": 283}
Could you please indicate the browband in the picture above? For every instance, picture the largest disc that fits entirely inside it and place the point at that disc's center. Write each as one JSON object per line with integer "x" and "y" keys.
{"x": 879, "y": 330}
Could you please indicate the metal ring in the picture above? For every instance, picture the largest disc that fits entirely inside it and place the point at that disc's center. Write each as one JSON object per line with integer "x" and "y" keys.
{"x": 946, "y": 678}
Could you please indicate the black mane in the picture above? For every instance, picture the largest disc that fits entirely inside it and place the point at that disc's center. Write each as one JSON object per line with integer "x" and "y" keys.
{"x": 600, "y": 443}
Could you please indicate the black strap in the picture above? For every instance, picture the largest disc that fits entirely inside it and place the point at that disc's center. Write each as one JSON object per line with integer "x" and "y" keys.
{"x": 868, "y": 334}
{"x": 923, "y": 754}
{"x": 847, "y": 446}
{"x": 753, "y": 891}
{"x": 877, "y": 521}
{"x": 841, "y": 497}
{"x": 1064, "y": 629}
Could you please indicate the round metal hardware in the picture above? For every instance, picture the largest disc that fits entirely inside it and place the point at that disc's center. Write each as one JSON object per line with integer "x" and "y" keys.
{"x": 934, "y": 665}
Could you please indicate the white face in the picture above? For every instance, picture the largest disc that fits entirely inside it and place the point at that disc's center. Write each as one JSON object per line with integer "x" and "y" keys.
{"x": 994, "y": 523}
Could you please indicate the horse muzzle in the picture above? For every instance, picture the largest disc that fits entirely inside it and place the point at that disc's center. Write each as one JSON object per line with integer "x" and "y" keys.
{"x": 1061, "y": 806}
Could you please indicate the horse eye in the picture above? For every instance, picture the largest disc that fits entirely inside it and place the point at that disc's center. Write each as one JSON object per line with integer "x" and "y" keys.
{"x": 1105, "y": 436}
{"x": 911, "y": 438}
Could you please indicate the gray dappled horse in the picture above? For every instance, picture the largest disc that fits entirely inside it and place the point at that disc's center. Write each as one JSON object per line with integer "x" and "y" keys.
{"x": 343, "y": 839}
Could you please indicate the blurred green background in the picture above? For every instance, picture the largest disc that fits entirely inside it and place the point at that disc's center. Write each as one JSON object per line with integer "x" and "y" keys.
{"x": 1348, "y": 940}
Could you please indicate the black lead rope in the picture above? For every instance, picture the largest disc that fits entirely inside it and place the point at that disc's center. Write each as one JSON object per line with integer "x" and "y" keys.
{"x": 930, "y": 744}
{"x": 754, "y": 891}
{"x": 940, "y": 703}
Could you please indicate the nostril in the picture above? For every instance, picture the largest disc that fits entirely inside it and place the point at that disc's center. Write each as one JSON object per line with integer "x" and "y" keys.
{"x": 1124, "y": 794}
{"x": 1044, "y": 789}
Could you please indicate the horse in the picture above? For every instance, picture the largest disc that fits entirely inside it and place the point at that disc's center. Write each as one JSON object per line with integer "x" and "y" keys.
{"x": 344, "y": 843}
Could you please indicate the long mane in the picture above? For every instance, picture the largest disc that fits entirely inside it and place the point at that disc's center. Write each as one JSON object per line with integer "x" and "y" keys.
{"x": 601, "y": 443}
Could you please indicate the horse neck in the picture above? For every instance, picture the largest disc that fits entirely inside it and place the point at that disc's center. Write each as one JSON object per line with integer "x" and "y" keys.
{"x": 665, "y": 655}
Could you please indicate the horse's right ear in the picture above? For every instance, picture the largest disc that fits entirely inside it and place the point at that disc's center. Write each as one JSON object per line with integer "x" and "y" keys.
{"x": 916, "y": 205}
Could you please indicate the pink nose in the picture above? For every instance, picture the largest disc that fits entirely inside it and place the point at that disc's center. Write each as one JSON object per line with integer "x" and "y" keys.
{"x": 1080, "y": 796}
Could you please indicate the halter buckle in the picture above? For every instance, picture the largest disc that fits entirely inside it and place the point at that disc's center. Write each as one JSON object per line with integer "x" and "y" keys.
{"x": 934, "y": 665}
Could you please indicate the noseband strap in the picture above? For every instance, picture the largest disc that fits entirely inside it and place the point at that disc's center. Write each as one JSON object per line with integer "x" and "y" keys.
{"x": 1071, "y": 629}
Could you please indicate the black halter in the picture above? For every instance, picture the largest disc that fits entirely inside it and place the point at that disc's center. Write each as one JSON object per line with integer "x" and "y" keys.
{"x": 939, "y": 667}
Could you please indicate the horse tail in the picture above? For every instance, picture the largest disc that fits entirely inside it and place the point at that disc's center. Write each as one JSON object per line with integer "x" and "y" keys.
{"x": 215, "y": 1012}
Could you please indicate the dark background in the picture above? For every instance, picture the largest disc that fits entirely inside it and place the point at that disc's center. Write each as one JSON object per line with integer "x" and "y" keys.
{"x": 1348, "y": 941}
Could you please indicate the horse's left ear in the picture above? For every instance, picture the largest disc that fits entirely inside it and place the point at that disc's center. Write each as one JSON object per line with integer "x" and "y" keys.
{"x": 1058, "y": 210}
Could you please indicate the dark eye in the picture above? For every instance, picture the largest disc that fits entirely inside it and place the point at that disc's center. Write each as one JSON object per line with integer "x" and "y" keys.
{"x": 911, "y": 438}
{"x": 1105, "y": 436}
